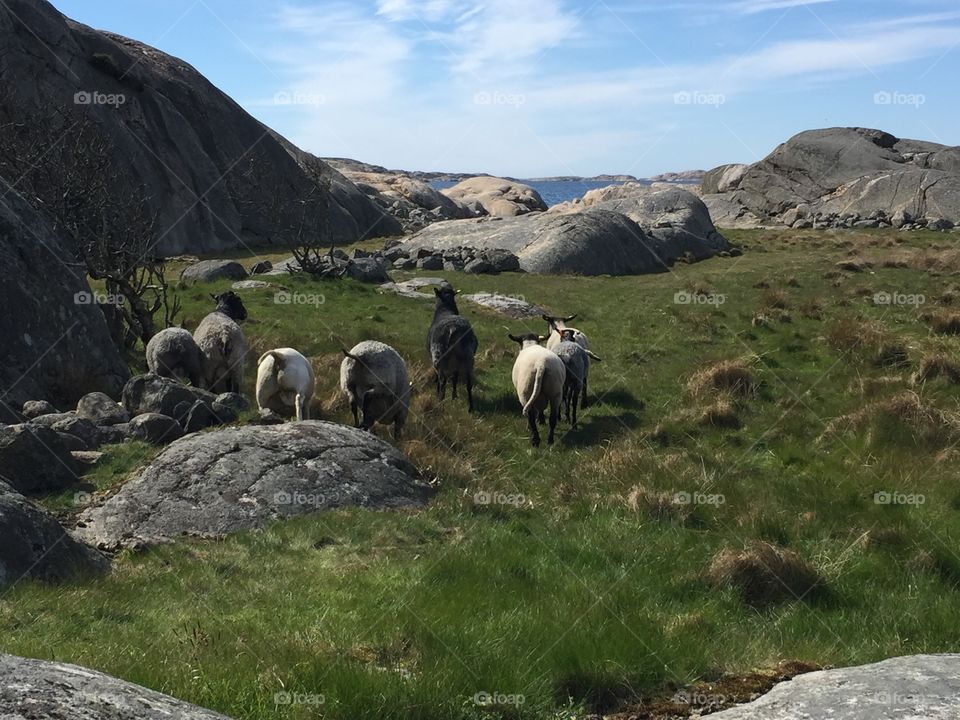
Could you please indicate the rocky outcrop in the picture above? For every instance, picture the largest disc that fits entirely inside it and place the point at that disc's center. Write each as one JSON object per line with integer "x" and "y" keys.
{"x": 34, "y": 545}
{"x": 841, "y": 177}
{"x": 55, "y": 342}
{"x": 213, "y": 176}
{"x": 593, "y": 242}
{"x": 496, "y": 196}
{"x": 515, "y": 307}
{"x": 192, "y": 407}
{"x": 34, "y": 458}
{"x": 210, "y": 270}
{"x": 224, "y": 481}
{"x": 47, "y": 690}
{"x": 915, "y": 687}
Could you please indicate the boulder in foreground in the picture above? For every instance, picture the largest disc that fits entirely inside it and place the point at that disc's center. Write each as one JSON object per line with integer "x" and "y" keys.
{"x": 46, "y": 690}
{"x": 214, "y": 483}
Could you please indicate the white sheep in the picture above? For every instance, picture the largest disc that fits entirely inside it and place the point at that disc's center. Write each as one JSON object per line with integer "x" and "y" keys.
{"x": 223, "y": 345}
{"x": 173, "y": 353}
{"x": 538, "y": 377}
{"x": 285, "y": 383}
{"x": 577, "y": 364}
{"x": 374, "y": 378}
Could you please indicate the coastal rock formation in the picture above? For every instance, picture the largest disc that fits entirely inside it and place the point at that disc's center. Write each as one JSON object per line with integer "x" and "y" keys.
{"x": 841, "y": 177}
{"x": 214, "y": 483}
{"x": 496, "y": 196}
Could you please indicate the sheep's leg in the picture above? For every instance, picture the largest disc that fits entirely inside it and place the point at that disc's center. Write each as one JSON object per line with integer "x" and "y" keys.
{"x": 470, "y": 391}
{"x": 456, "y": 381}
{"x": 574, "y": 396}
{"x": 534, "y": 432}
{"x": 554, "y": 416}
{"x": 368, "y": 421}
{"x": 583, "y": 402}
{"x": 397, "y": 428}
{"x": 301, "y": 407}
{"x": 441, "y": 385}
{"x": 543, "y": 418}
{"x": 355, "y": 408}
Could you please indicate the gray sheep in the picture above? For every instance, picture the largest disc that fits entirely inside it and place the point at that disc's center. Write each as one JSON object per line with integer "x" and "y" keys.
{"x": 173, "y": 353}
{"x": 451, "y": 344}
{"x": 223, "y": 345}
{"x": 374, "y": 377}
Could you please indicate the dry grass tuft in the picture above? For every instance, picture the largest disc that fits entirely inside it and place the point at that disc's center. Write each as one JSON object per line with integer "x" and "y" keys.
{"x": 727, "y": 376}
{"x": 662, "y": 506}
{"x": 868, "y": 341}
{"x": 722, "y": 413}
{"x": 774, "y": 299}
{"x": 944, "y": 322}
{"x": 764, "y": 573}
{"x": 812, "y": 309}
{"x": 935, "y": 366}
{"x": 905, "y": 414}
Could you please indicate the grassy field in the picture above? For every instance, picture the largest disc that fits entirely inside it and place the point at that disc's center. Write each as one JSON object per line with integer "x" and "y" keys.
{"x": 786, "y": 401}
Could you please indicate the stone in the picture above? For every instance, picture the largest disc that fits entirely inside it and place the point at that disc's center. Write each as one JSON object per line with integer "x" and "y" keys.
{"x": 36, "y": 408}
{"x": 80, "y": 428}
{"x": 913, "y": 687}
{"x": 232, "y": 401}
{"x": 33, "y": 458}
{"x": 34, "y": 545}
{"x": 258, "y": 285}
{"x": 431, "y": 262}
{"x": 49, "y": 690}
{"x": 154, "y": 394}
{"x": 264, "y": 266}
{"x": 497, "y": 196}
{"x": 517, "y": 308}
{"x": 114, "y": 434}
{"x": 155, "y": 428}
{"x": 478, "y": 267}
{"x": 101, "y": 409}
{"x": 233, "y": 479}
{"x": 368, "y": 270}
{"x": 211, "y": 270}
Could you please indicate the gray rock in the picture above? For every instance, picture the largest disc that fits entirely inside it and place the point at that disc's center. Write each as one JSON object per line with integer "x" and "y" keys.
{"x": 55, "y": 342}
{"x": 101, "y": 409}
{"x": 154, "y": 394}
{"x": 232, "y": 401}
{"x": 264, "y": 266}
{"x": 114, "y": 434}
{"x": 431, "y": 262}
{"x": 257, "y": 285}
{"x": 499, "y": 197}
{"x": 211, "y": 270}
{"x": 34, "y": 545}
{"x": 478, "y": 266}
{"x": 404, "y": 264}
{"x": 284, "y": 267}
{"x": 268, "y": 417}
{"x": 214, "y": 483}
{"x": 33, "y": 458}
{"x": 509, "y": 306}
{"x": 80, "y": 428}
{"x": 46, "y": 690}
{"x": 72, "y": 442}
{"x": 501, "y": 260}
{"x": 36, "y": 408}
{"x": 155, "y": 428}
{"x": 914, "y": 687}
{"x": 368, "y": 270}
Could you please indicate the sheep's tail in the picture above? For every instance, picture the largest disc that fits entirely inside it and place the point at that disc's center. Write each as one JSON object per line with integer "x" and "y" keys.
{"x": 537, "y": 385}
{"x": 592, "y": 355}
{"x": 278, "y": 358}
{"x": 347, "y": 354}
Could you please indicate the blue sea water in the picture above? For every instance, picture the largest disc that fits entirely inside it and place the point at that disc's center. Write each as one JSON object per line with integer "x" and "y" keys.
{"x": 553, "y": 192}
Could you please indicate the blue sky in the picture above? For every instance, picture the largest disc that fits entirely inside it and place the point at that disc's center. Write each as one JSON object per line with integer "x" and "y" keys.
{"x": 562, "y": 87}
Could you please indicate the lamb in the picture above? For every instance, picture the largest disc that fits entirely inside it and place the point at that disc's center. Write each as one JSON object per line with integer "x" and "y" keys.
{"x": 285, "y": 383}
{"x": 538, "y": 376}
{"x": 577, "y": 364}
{"x": 557, "y": 327}
{"x": 173, "y": 353}
{"x": 374, "y": 377}
{"x": 223, "y": 345}
{"x": 451, "y": 344}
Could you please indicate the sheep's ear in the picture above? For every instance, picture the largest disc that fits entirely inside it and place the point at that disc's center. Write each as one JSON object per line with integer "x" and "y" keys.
{"x": 569, "y": 318}
{"x": 436, "y": 291}
{"x": 215, "y": 298}
{"x": 541, "y": 338}
{"x": 515, "y": 338}
{"x": 547, "y": 318}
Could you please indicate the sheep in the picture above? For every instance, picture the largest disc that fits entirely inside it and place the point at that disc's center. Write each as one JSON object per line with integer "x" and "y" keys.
{"x": 577, "y": 364}
{"x": 538, "y": 376}
{"x": 222, "y": 344}
{"x": 173, "y": 353}
{"x": 557, "y": 326}
{"x": 451, "y": 344}
{"x": 285, "y": 383}
{"x": 374, "y": 378}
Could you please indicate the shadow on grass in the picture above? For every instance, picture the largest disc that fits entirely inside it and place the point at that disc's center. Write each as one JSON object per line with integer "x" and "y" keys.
{"x": 594, "y": 429}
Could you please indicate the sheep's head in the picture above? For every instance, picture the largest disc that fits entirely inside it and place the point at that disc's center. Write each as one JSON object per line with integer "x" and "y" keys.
{"x": 568, "y": 335}
{"x": 230, "y": 304}
{"x": 558, "y": 323}
{"x": 446, "y": 297}
{"x": 526, "y": 339}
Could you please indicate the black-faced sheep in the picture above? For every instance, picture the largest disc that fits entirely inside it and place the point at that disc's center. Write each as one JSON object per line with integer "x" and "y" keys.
{"x": 451, "y": 344}
{"x": 285, "y": 383}
{"x": 223, "y": 345}
{"x": 538, "y": 377}
{"x": 557, "y": 327}
{"x": 173, "y": 353}
{"x": 374, "y": 378}
{"x": 577, "y": 364}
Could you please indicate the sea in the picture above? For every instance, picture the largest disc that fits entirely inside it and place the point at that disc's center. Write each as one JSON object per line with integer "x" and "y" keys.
{"x": 553, "y": 192}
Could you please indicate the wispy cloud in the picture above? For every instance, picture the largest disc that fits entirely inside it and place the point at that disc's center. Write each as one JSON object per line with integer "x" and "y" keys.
{"x": 751, "y": 7}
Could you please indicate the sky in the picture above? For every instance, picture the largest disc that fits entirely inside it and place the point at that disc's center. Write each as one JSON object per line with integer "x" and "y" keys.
{"x": 562, "y": 87}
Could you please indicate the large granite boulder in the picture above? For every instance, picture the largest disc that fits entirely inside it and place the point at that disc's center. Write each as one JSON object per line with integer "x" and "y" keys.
{"x": 498, "y": 197}
{"x": 33, "y": 458}
{"x": 47, "y": 690}
{"x": 210, "y": 270}
{"x": 214, "y": 483}
{"x": 838, "y": 177}
{"x": 34, "y": 545}
{"x": 914, "y": 687}
{"x": 204, "y": 163}
{"x": 593, "y": 242}
{"x": 55, "y": 342}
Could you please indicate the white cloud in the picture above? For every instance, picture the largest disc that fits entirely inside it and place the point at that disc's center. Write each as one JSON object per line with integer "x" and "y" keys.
{"x": 751, "y": 7}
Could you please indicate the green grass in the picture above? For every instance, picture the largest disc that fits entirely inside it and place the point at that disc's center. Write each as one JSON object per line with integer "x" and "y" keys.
{"x": 568, "y": 596}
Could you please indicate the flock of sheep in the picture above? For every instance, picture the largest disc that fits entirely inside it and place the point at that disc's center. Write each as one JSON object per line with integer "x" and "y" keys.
{"x": 373, "y": 375}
